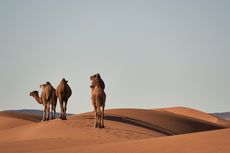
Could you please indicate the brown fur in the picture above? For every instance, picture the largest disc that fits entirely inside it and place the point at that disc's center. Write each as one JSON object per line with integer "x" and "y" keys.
{"x": 97, "y": 77}
{"x": 63, "y": 93}
{"x": 46, "y": 99}
{"x": 98, "y": 97}
{"x": 53, "y": 99}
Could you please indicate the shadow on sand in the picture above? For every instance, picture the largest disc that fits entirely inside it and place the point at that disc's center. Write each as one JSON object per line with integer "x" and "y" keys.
{"x": 165, "y": 123}
{"x": 140, "y": 123}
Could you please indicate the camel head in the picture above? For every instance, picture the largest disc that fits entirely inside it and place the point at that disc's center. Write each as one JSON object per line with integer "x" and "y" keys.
{"x": 96, "y": 80}
{"x": 95, "y": 76}
{"x": 34, "y": 93}
{"x": 42, "y": 86}
{"x": 64, "y": 80}
{"x": 36, "y": 96}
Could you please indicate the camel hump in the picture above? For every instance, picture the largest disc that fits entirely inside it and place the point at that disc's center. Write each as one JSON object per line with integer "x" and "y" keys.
{"x": 46, "y": 91}
{"x": 63, "y": 89}
{"x": 102, "y": 84}
{"x": 66, "y": 92}
{"x": 69, "y": 91}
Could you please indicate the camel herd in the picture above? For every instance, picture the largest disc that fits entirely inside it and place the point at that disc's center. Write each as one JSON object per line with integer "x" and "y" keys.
{"x": 49, "y": 96}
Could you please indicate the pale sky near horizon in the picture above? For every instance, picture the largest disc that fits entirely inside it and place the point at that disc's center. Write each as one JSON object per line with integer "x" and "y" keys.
{"x": 150, "y": 53}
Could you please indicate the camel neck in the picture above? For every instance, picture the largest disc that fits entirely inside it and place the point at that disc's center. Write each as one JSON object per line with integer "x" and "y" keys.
{"x": 38, "y": 99}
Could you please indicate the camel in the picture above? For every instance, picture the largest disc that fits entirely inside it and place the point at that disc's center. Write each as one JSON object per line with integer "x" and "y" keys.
{"x": 53, "y": 99}
{"x": 94, "y": 79}
{"x": 44, "y": 99}
{"x": 63, "y": 93}
{"x": 98, "y": 98}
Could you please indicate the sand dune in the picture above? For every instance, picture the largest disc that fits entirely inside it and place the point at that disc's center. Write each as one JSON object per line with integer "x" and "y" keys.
{"x": 191, "y": 113}
{"x": 23, "y": 116}
{"x": 163, "y": 122}
{"x": 133, "y": 130}
{"x": 195, "y": 114}
{"x": 202, "y": 142}
{"x": 13, "y": 120}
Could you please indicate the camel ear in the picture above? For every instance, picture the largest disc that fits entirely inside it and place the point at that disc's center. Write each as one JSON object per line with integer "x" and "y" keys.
{"x": 42, "y": 85}
{"x": 98, "y": 76}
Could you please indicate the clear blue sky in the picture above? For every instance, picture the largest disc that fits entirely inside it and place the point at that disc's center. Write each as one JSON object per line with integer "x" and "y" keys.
{"x": 150, "y": 53}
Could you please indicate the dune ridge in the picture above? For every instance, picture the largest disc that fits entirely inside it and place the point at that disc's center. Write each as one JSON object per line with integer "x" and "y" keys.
{"x": 193, "y": 113}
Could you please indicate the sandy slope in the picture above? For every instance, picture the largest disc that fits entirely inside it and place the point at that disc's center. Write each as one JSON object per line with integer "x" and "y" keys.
{"x": 13, "y": 120}
{"x": 204, "y": 142}
{"x": 126, "y": 129}
{"x": 195, "y": 114}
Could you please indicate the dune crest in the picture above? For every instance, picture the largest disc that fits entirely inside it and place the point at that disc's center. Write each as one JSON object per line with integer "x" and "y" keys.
{"x": 185, "y": 111}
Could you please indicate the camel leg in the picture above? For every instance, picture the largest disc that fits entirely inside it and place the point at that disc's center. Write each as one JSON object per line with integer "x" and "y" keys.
{"x": 61, "y": 105}
{"x": 44, "y": 113}
{"x": 95, "y": 123}
{"x": 54, "y": 111}
{"x": 98, "y": 122}
{"x": 63, "y": 111}
{"x": 65, "y": 108}
{"x": 100, "y": 119}
{"x": 95, "y": 120}
{"x": 51, "y": 112}
{"x": 102, "y": 116}
{"x": 98, "y": 111}
{"x": 103, "y": 109}
{"x": 95, "y": 115}
{"x": 48, "y": 112}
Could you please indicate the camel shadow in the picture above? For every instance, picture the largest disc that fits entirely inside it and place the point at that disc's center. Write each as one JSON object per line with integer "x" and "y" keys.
{"x": 170, "y": 124}
{"x": 140, "y": 123}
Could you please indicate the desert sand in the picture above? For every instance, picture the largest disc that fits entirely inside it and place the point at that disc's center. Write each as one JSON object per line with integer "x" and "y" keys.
{"x": 179, "y": 130}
